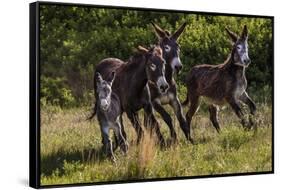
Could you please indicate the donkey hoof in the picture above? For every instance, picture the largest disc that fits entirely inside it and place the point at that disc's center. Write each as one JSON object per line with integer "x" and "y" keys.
{"x": 191, "y": 140}
{"x": 172, "y": 141}
{"x": 163, "y": 144}
{"x": 113, "y": 159}
{"x": 125, "y": 148}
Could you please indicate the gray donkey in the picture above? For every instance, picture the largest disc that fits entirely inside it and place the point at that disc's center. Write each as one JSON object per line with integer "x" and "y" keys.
{"x": 108, "y": 114}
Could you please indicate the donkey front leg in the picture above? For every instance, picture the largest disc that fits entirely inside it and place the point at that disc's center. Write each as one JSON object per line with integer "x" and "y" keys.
{"x": 247, "y": 100}
{"x": 168, "y": 120}
{"x": 213, "y": 110}
{"x": 176, "y": 105}
{"x": 134, "y": 118}
{"x": 252, "y": 106}
{"x": 238, "y": 111}
{"x": 107, "y": 144}
{"x": 153, "y": 124}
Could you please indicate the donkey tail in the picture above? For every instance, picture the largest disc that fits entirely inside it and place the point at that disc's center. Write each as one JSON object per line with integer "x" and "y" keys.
{"x": 94, "y": 111}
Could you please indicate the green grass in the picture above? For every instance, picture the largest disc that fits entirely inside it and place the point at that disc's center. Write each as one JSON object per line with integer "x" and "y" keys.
{"x": 70, "y": 149}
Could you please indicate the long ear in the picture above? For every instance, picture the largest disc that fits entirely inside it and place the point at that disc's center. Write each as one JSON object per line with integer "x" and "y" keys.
{"x": 168, "y": 33}
{"x": 159, "y": 31}
{"x": 244, "y": 34}
{"x": 176, "y": 35}
{"x": 112, "y": 77}
{"x": 142, "y": 49}
{"x": 98, "y": 78}
{"x": 232, "y": 35}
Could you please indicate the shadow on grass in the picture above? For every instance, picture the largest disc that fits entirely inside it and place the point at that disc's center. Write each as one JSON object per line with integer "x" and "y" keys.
{"x": 55, "y": 162}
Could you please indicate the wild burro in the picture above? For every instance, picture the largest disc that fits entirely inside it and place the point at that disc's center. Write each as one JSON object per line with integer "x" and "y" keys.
{"x": 171, "y": 54}
{"x": 130, "y": 85}
{"x": 222, "y": 83}
{"x": 108, "y": 114}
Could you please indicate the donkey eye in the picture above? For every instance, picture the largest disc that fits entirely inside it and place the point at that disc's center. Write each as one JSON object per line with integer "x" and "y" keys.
{"x": 153, "y": 67}
{"x": 167, "y": 48}
{"x": 238, "y": 47}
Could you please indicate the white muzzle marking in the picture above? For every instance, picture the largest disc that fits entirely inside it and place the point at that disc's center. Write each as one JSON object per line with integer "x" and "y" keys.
{"x": 176, "y": 62}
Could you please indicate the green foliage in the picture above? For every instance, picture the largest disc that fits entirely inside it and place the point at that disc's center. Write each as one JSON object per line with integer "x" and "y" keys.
{"x": 74, "y": 39}
{"x": 55, "y": 92}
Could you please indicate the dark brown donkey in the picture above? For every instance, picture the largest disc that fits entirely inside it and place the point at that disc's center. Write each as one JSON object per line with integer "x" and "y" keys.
{"x": 222, "y": 83}
{"x": 130, "y": 85}
{"x": 171, "y": 51}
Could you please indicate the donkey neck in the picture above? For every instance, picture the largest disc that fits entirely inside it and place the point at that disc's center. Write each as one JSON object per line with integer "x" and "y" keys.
{"x": 137, "y": 72}
{"x": 232, "y": 68}
{"x": 169, "y": 74}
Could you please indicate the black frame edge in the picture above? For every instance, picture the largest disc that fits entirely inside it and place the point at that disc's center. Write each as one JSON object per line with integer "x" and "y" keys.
{"x": 34, "y": 143}
{"x": 34, "y": 96}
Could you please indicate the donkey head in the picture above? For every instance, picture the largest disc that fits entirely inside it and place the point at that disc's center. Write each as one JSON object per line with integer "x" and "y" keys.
{"x": 104, "y": 91}
{"x": 240, "y": 47}
{"x": 170, "y": 47}
{"x": 155, "y": 67}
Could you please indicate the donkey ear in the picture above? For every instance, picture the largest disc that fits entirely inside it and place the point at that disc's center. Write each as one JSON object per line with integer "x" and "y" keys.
{"x": 244, "y": 34}
{"x": 142, "y": 49}
{"x": 99, "y": 77}
{"x": 111, "y": 78}
{"x": 232, "y": 35}
{"x": 168, "y": 33}
{"x": 159, "y": 31}
{"x": 177, "y": 34}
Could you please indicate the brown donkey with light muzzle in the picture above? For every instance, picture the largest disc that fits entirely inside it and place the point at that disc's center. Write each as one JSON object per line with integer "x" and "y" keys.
{"x": 222, "y": 83}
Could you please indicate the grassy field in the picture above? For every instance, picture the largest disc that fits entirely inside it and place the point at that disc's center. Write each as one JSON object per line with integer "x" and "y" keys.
{"x": 70, "y": 149}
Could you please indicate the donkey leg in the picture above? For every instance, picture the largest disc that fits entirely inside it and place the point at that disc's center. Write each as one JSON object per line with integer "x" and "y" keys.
{"x": 176, "y": 105}
{"x": 247, "y": 100}
{"x": 121, "y": 140}
{"x": 194, "y": 103}
{"x": 153, "y": 124}
{"x": 252, "y": 106}
{"x": 122, "y": 127}
{"x": 107, "y": 144}
{"x": 238, "y": 111}
{"x": 213, "y": 110}
{"x": 167, "y": 118}
{"x": 134, "y": 118}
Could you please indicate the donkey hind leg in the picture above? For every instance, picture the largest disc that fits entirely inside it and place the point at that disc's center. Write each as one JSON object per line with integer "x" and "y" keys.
{"x": 122, "y": 127}
{"x": 238, "y": 111}
{"x": 213, "y": 110}
{"x": 107, "y": 144}
{"x": 176, "y": 105}
{"x": 194, "y": 104}
{"x": 116, "y": 138}
{"x": 153, "y": 124}
{"x": 121, "y": 139}
{"x": 134, "y": 118}
{"x": 252, "y": 106}
{"x": 168, "y": 120}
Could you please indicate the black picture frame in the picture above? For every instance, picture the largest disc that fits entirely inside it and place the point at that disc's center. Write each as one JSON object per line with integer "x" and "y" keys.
{"x": 34, "y": 94}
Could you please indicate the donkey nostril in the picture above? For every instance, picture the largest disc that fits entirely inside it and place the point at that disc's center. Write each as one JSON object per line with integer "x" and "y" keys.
{"x": 164, "y": 88}
{"x": 178, "y": 67}
{"x": 247, "y": 61}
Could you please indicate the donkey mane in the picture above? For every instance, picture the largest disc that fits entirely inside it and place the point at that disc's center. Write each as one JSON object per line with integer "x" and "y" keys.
{"x": 139, "y": 58}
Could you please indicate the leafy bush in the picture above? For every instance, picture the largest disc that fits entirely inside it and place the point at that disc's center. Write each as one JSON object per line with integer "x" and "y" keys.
{"x": 54, "y": 91}
{"x": 74, "y": 39}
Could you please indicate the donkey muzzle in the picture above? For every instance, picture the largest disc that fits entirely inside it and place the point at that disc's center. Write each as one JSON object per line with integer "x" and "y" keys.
{"x": 104, "y": 105}
{"x": 162, "y": 84}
